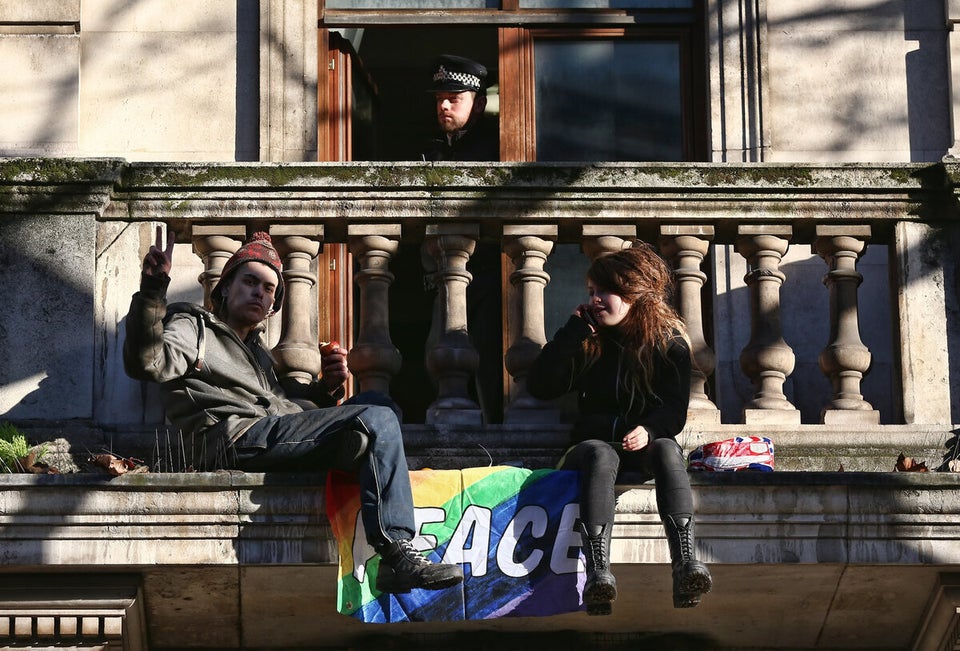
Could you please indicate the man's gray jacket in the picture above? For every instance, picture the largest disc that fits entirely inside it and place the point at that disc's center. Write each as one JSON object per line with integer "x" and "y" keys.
{"x": 212, "y": 382}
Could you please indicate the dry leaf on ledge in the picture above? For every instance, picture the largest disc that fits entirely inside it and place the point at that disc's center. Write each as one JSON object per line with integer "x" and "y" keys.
{"x": 908, "y": 464}
{"x": 117, "y": 466}
{"x": 30, "y": 464}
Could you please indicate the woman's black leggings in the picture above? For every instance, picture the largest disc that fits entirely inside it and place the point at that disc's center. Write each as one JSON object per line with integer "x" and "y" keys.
{"x": 599, "y": 463}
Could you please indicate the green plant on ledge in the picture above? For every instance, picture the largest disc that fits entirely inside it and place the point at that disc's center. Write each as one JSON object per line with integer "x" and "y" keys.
{"x": 14, "y": 450}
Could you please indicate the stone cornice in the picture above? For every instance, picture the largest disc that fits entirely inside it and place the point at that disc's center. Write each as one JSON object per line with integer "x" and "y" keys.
{"x": 570, "y": 195}
{"x": 33, "y": 186}
{"x": 264, "y": 519}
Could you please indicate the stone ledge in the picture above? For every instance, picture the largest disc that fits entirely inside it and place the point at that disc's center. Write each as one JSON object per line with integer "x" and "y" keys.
{"x": 817, "y": 448}
{"x": 236, "y": 518}
{"x": 244, "y": 560}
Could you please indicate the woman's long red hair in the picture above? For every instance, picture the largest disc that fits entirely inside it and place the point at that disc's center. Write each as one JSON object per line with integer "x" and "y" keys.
{"x": 641, "y": 278}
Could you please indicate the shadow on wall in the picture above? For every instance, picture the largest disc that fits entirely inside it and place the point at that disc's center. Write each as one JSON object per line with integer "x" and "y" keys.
{"x": 928, "y": 81}
{"x": 852, "y": 118}
{"x": 47, "y": 329}
{"x": 805, "y": 319}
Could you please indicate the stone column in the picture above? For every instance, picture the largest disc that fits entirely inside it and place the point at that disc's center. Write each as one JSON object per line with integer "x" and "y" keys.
{"x": 685, "y": 247}
{"x": 451, "y": 358}
{"x": 289, "y": 77}
{"x": 767, "y": 359}
{"x": 297, "y": 355}
{"x": 923, "y": 255}
{"x": 845, "y": 360}
{"x": 528, "y": 248}
{"x": 952, "y": 10}
{"x": 599, "y": 238}
{"x": 374, "y": 360}
{"x": 215, "y": 245}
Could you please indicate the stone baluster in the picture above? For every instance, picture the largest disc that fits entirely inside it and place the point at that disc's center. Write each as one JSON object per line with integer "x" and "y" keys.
{"x": 528, "y": 248}
{"x": 451, "y": 358}
{"x": 215, "y": 245}
{"x": 845, "y": 360}
{"x": 685, "y": 247}
{"x": 599, "y": 238}
{"x": 767, "y": 359}
{"x": 374, "y": 360}
{"x": 297, "y": 354}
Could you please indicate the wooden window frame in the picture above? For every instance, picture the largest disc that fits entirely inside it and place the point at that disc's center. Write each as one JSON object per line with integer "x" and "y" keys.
{"x": 517, "y": 31}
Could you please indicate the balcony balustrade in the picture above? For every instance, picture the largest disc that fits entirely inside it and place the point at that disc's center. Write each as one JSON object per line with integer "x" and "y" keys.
{"x": 759, "y": 212}
{"x": 209, "y": 553}
{"x": 767, "y": 360}
{"x": 757, "y": 343}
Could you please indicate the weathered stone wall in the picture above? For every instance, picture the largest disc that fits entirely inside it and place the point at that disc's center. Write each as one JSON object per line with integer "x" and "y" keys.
{"x": 87, "y": 276}
{"x": 161, "y": 80}
{"x": 244, "y": 560}
{"x": 857, "y": 81}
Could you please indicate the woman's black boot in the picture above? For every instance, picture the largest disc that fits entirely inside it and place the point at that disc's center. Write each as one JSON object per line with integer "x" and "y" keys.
{"x": 691, "y": 578}
{"x": 601, "y": 587}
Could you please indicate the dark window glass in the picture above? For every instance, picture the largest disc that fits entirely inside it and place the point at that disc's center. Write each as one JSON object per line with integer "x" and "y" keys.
{"x": 608, "y": 100}
{"x": 413, "y": 4}
{"x": 606, "y": 4}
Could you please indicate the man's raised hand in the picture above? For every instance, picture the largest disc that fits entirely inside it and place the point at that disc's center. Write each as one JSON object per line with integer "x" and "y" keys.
{"x": 159, "y": 258}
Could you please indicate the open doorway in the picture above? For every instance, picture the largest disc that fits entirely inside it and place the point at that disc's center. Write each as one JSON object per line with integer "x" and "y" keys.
{"x": 393, "y": 115}
{"x": 393, "y": 118}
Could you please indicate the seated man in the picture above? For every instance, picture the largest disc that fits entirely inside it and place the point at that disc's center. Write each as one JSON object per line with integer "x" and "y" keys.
{"x": 220, "y": 388}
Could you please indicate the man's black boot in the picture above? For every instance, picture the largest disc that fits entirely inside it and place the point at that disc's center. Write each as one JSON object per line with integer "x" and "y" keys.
{"x": 600, "y": 589}
{"x": 691, "y": 578}
{"x": 403, "y": 568}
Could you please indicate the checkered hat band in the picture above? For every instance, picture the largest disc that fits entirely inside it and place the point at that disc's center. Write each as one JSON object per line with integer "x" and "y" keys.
{"x": 464, "y": 78}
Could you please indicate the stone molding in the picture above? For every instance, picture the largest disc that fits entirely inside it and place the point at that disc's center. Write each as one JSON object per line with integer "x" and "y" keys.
{"x": 250, "y": 519}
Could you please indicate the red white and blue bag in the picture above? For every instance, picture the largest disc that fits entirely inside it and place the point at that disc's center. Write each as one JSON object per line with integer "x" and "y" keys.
{"x": 733, "y": 455}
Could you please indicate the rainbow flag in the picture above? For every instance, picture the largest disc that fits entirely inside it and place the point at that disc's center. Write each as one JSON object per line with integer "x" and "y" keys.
{"x": 510, "y": 528}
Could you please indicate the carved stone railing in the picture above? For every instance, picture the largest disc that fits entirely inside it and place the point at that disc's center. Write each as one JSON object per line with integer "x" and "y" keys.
{"x": 713, "y": 223}
{"x": 234, "y": 546}
{"x": 759, "y": 211}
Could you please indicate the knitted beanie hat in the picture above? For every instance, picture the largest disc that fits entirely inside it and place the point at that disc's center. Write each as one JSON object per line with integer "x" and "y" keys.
{"x": 259, "y": 248}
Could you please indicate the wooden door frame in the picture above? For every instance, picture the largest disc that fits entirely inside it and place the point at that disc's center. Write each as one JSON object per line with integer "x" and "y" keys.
{"x": 334, "y": 143}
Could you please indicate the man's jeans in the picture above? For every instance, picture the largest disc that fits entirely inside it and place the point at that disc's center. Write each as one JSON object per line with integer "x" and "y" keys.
{"x": 308, "y": 441}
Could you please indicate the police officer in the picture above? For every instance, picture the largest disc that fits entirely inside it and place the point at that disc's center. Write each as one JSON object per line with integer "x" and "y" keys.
{"x": 460, "y": 85}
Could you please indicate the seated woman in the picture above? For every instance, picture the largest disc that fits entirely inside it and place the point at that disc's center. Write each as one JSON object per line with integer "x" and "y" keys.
{"x": 626, "y": 354}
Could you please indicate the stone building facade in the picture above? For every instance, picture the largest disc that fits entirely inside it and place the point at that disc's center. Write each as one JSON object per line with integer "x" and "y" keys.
{"x": 807, "y": 203}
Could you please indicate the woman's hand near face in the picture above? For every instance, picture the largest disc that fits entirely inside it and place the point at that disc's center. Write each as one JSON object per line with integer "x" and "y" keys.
{"x": 584, "y": 312}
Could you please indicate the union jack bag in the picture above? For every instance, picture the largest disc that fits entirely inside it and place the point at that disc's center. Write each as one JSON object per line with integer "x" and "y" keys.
{"x": 733, "y": 455}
